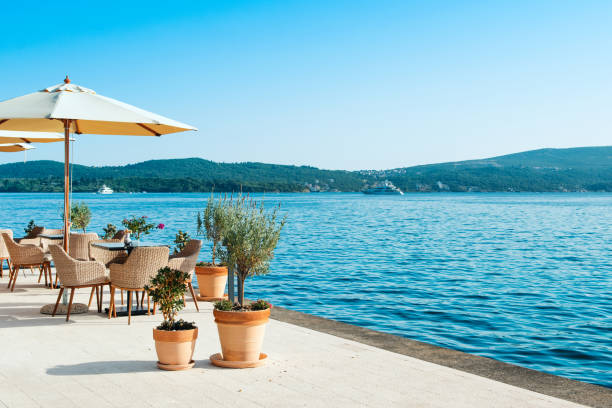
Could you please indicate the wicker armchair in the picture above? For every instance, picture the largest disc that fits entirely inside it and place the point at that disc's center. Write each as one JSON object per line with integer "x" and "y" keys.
{"x": 137, "y": 271}
{"x": 79, "y": 247}
{"x": 4, "y": 254}
{"x": 25, "y": 256}
{"x": 45, "y": 242}
{"x": 105, "y": 256}
{"x": 185, "y": 261}
{"x": 74, "y": 274}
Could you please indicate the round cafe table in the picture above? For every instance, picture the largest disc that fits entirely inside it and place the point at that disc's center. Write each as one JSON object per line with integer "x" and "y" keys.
{"x": 122, "y": 246}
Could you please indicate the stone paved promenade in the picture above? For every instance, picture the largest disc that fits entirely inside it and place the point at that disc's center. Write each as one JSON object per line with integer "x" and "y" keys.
{"x": 96, "y": 362}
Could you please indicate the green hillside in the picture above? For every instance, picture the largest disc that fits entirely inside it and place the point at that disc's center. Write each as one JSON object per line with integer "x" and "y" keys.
{"x": 576, "y": 169}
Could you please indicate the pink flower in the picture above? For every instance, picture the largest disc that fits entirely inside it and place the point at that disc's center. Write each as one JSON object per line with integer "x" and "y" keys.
{"x": 160, "y": 226}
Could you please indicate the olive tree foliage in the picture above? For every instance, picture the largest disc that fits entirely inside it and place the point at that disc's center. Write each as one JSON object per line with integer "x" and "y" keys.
{"x": 80, "y": 216}
{"x": 251, "y": 234}
{"x": 212, "y": 223}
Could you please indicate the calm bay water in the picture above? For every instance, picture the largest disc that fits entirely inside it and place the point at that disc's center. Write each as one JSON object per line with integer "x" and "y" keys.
{"x": 522, "y": 278}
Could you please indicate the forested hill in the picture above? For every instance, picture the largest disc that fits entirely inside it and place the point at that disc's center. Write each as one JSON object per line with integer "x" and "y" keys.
{"x": 576, "y": 169}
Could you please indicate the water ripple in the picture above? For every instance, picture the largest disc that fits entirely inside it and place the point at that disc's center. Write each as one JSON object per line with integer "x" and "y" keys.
{"x": 522, "y": 278}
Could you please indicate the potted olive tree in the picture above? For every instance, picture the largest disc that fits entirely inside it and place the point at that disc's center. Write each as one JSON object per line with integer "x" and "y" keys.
{"x": 250, "y": 237}
{"x": 174, "y": 339}
{"x": 80, "y": 216}
{"x": 212, "y": 276}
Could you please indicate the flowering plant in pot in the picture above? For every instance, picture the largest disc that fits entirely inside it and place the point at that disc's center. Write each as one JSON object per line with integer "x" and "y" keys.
{"x": 212, "y": 276}
{"x": 174, "y": 339}
{"x": 251, "y": 235}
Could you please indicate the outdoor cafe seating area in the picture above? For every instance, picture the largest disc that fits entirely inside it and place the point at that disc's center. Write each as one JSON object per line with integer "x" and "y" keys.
{"x": 114, "y": 265}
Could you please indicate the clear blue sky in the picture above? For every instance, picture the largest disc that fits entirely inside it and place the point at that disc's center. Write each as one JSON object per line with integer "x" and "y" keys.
{"x": 334, "y": 84}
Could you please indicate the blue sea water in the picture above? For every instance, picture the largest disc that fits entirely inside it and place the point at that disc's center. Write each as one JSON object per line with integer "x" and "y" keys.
{"x": 521, "y": 278}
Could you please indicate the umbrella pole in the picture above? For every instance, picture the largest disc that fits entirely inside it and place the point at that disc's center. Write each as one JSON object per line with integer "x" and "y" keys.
{"x": 66, "y": 183}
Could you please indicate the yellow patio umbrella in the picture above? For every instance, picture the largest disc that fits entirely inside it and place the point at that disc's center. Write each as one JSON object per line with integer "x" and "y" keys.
{"x": 30, "y": 137}
{"x": 15, "y": 147}
{"x": 72, "y": 108}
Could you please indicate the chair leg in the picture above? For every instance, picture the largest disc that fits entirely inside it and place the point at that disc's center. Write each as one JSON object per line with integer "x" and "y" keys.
{"x": 41, "y": 274}
{"x": 101, "y": 298}
{"x": 15, "y": 273}
{"x": 44, "y": 272}
{"x": 129, "y": 306}
{"x": 121, "y": 297}
{"x": 148, "y": 306}
{"x": 70, "y": 304}
{"x": 93, "y": 289}
{"x": 142, "y": 299}
{"x": 51, "y": 276}
{"x": 111, "y": 304}
{"x": 193, "y": 295}
{"x": 61, "y": 292}
{"x": 11, "y": 275}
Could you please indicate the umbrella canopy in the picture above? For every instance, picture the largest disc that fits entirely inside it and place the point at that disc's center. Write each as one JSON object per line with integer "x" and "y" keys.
{"x": 30, "y": 137}
{"x": 72, "y": 108}
{"x": 89, "y": 113}
{"x": 15, "y": 147}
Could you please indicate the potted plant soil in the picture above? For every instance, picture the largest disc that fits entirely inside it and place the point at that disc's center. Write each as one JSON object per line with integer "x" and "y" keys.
{"x": 212, "y": 276}
{"x": 174, "y": 339}
{"x": 251, "y": 235}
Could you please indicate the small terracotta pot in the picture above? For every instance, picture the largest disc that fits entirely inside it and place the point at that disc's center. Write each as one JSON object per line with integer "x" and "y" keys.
{"x": 241, "y": 334}
{"x": 211, "y": 281}
{"x": 175, "y": 348}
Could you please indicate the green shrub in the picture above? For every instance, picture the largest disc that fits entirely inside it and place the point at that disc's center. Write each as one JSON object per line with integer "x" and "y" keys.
{"x": 260, "y": 304}
{"x": 109, "y": 231}
{"x": 29, "y": 228}
{"x": 167, "y": 289}
{"x": 224, "y": 305}
{"x": 180, "y": 240}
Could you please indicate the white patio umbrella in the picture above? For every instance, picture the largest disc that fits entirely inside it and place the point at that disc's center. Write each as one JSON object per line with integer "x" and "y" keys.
{"x": 72, "y": 108}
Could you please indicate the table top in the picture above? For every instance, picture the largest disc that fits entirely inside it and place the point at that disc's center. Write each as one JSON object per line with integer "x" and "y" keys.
{"x": 52, "y": 236}
{"x": 120, "y": 246}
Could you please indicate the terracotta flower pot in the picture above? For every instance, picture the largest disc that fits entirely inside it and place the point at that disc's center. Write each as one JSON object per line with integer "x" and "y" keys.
{"x": 211, "y": 281}
{"x": 241, "y": 334}
{"x": 175, "y": 348}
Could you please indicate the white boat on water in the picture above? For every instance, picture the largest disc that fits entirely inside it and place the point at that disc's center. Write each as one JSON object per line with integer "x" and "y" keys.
{"x": 105, "y": 190}
{"x": 384, "y": 188}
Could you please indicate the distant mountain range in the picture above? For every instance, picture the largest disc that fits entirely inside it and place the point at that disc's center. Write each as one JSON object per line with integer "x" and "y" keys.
{"x": 575, "y": 169}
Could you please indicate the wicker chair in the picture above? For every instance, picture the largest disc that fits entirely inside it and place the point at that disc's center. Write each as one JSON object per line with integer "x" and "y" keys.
{"x": 105, "y": 256}
{"x": 79, "y": 247}
{"x": 74, "y": 274}
{"x": 4, "y": 254}
{"x": 185, "y": 261}
{"x": 137, "y": 271}
{"x": 45, "y": 242}
{"x": 25, "y": 256}
{"x": 109, "y": 257}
